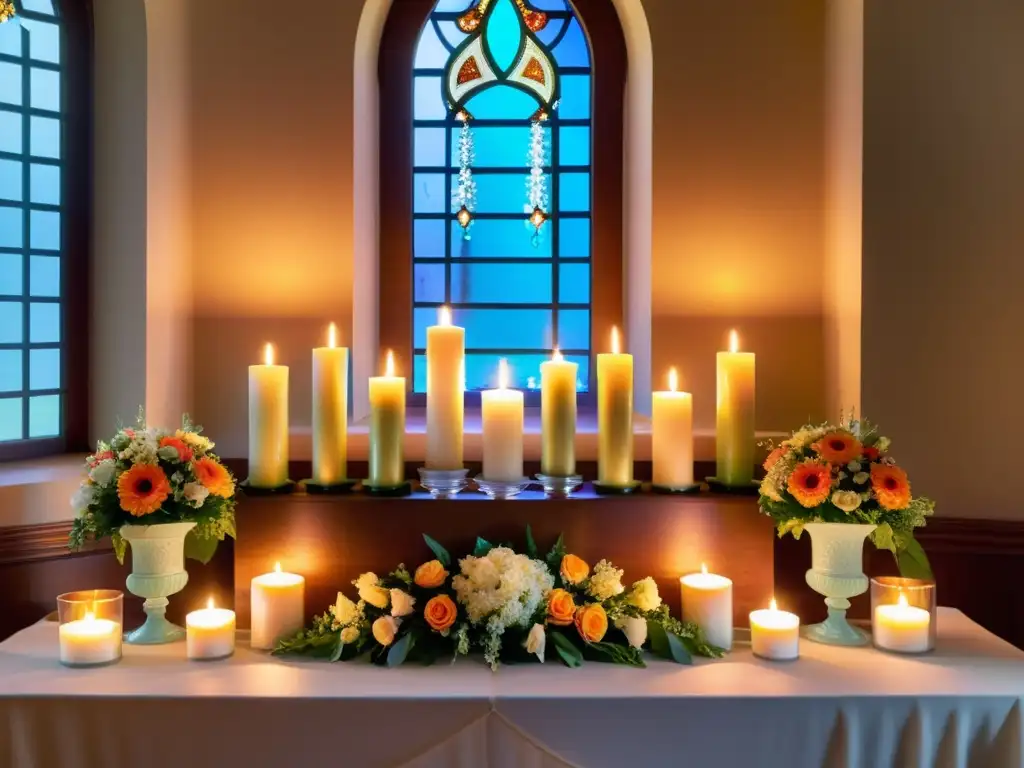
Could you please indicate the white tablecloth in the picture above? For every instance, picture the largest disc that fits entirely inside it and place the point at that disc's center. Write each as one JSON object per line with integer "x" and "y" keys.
{"x": 854, "y": 708}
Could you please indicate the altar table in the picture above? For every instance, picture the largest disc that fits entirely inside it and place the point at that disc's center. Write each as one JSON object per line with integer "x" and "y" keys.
{"x": 856, "y": 708}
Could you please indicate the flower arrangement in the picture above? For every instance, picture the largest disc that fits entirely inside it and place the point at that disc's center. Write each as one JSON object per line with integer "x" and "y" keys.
{"x": 148, "y": 476}
{"x": 511, "y": 606}
{"x": 843, "y": 473}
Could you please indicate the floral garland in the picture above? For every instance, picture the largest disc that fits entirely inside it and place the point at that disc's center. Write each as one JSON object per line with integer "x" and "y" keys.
{"x": 511, "y": 606}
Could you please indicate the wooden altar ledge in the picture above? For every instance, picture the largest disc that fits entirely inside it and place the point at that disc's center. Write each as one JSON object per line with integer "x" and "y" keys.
{"x": 332, "y": 539}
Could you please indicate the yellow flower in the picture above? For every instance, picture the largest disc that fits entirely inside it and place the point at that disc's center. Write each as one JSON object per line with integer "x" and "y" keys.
{"x": 573, "y": 569}
{"x": 645, "y": 595}
{"x": 592, "y": 622}
{"x": 430, "y": 575}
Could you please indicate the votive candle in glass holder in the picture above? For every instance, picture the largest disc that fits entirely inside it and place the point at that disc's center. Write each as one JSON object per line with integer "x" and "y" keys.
{"x": 90, "y": 629}
{"x": 903, "y": 613}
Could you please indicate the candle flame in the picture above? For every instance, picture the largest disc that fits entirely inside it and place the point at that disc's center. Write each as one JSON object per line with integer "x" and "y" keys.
{"x": 277, "y": 567}
{"x": 557, "y": 355}
{"x": 773, "y": 606}
{"x": 704, "y": 568}
{"x": 615, "y": 340}
{"x": 503, "y": 374}
{"x": 389, "y": 367}
{"x": 734, "y": 341}
{"x": 444, "y": 316}
{"x": 673, "y": 380}
{"x": 90, "y": 616}
{"x": 209, "y": 603}
{"x": 268, "y": 354}
{"x": 902, "y": 602}
{"x": 332, "y": 335}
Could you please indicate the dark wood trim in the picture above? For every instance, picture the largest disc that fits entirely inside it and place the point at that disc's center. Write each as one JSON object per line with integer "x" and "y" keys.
{"x": 45, "y": 541}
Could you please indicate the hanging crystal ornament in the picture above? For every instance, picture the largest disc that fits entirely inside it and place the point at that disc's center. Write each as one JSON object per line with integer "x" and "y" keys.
{"x": 7, "y": 10}
{"x": 464, "y": 199}
{"x": 537, "y": 183}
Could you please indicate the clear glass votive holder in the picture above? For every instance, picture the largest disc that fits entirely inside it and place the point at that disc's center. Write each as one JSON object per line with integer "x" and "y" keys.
{"x": 443, "y": 483}
{"x": 91, "y": 625}
{"x": 903, "y": 614}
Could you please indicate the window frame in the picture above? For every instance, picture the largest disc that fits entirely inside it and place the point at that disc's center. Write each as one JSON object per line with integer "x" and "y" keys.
{"x": 406, "y": 19}
{"x": 76, "y": 68}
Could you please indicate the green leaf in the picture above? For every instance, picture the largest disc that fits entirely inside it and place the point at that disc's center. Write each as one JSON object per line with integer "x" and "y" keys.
{"x": 667, "y": 645}
{"x": 483, "y": 546}
{"x": 570, "y": 654}
{"x": 554, "y": 558}
{"x": 618, "y": 654}
{"x": 198, "y": 548}
{"x": 531, "y": 545}
{"x": 679, "y": 653}
{"x": 120, "y": 546}
{"x": 882, "y": 537}
{"x": 439, "y": 552}
{"x": 339, "y": 649}
{"x": 398, "y": 651}
{"x": 796, "y": 527}
{"x": 911, "y": 558}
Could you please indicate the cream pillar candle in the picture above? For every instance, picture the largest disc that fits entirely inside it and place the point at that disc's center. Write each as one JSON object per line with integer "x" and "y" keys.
{"x": 268, "y": 423}
{"x": 278, "y": 607}
{"x": 775, "y": 634}
{"x": 210, "y": 633}
{"x": 330, "y": 411}
{"x": 558, "y": 416}
{"x": 707, "y": 601}
{"x": 446, "y": 383}
{"x": 502, "y": 413}
{"x": 90, "y": 641}
{"x": 615, "y": 416}
{"x": 902, "y": 627}
{"x": 672, "y": 436}
{"x": 387, "y": 427}
{"x": 734, "y": 432}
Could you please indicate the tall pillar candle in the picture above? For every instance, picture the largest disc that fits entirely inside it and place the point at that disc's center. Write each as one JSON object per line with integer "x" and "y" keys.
{"x": 502, "y": 413}
{"x": 672, "y": 436}
{"x": 615, "y": 415}
{"x": 268, "y": 423}
{"x": 278, "y": 607}
{"x": 707, "y": 601}
{"x": 387, "y": 427}
{"x": 734, "y": 433}
{"x": 558, "y": 416}
{"x": 446, "y": 383}
{"x": 330, "y": 411}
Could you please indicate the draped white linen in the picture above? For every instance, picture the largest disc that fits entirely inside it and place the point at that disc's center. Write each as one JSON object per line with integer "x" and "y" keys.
{"x": 850, "y": 708}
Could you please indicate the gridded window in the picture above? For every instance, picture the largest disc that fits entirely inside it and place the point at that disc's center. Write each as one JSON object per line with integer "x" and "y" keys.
{"x": 513, "y": 78}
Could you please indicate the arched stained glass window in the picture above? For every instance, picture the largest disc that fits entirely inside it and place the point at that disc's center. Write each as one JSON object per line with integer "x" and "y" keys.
{"x": 501, "y": 185}
{"x": 44, "y": 79}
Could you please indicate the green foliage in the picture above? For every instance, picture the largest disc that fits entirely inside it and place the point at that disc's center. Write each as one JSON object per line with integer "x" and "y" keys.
{"x": 400, "y": 649}
{"x": 911, "y": 559}
{"x": 554, "y": 558}
{"x": 531, "y": 546}
{"x": 882, "y": 537}
{"x": 566, "y": 650}
{"x": 667, "y": 645}
{"x": 482, "y": 548}
{"x": 616, "y": 654}
{"x": 439, "y": 552}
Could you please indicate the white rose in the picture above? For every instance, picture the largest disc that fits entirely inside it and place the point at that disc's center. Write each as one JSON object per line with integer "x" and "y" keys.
{"x": 645, "y": 595}
{"x": 376, "y": 596}
{"x": 344, "y": 609}
{"x": 385, "y": 628}
{"x": 861, "y": 477}
{"x": 854, "y": 466}
{"x": 401, "y": 603}
{"x": 368, "y": 579}
{"x": 103, "y": 473}
{"x": 195, "y": 494}
{"x": 846, "y": 500}
{"x": 536, "y": 641}
{"x": 635, "y": 630}
{"x": 349, "y": 635}
{"x": 82, "y": 498}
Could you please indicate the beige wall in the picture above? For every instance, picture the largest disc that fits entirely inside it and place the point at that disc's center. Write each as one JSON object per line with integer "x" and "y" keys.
{"x": 943, "y": 235}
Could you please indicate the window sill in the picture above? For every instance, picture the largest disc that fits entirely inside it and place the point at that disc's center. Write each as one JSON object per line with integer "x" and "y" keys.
{"x": 38, "y": 491}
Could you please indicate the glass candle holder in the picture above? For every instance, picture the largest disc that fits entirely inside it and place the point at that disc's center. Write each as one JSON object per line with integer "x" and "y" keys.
{"x": 903, "y": 614}
{"x": 90, "y": 627}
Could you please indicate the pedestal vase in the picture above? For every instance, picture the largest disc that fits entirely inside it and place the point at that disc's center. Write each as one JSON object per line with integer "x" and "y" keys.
{"x": 158, "y": 571}
{"x": 837, "y": 572}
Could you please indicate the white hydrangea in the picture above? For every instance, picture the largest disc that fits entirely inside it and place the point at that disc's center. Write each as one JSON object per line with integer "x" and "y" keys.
{"x": 103, "y": 473}
{"x": 606, "y": 581}
{"x": 141, "y": 448}
{"x": 82, "y": 498}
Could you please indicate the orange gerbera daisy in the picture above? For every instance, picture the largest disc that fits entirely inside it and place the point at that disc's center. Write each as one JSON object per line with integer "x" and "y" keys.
{"x": 838, "y": 447}
{"x": 773, "y": 458}
{"x": 184, "y": 452}
{"x": 143, "y": 489}
{"x": 891, "y": 486}
{"x": 212, "y": 474}
{"x": 810, "y": 483}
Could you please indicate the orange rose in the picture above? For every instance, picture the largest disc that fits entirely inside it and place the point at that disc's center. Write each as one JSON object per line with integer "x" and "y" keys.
{"x": 440, "y": 613}
{"x": 561, "y": 608}
{"x": 591, "y": 622}
{"x": 573, "y": 569}
{"x": 430, "y": 575}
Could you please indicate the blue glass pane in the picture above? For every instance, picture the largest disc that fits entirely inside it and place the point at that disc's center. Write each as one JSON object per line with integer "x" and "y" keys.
{"x": 503, "y": 192}
{"x": 504, "y": 33}
{"x": 574, "y": 145}
{"x": 491, "y": 328}
{"x": 10, "y": 39}
{"x": 499, "y": 147}
{"x": 43, "y": 40}
{"x": 10, "y": 418}
{"x": 44, "y": 181}
{"x": 551, "y": 32}
{"x": 573, "y": 51}
{"x": 44, "y": 276}
{"x": 10, "y": 127}
{"x": 44, "y": 416}
{"x": 502, "y": 102}
{"x": 10, "y": 322}
{"x": 451, "y": 33}
{"x": 575, "y": 102}
{"x": 428, "y": 103}
{"x": 45, "y": 89}
{"x": 10, "y": 274}
{"x": 419, "y": 373}
{"x": 10, "y": 83}
{"x": 429, "y": 282}
{"x": 44, "y": 369}
{"x": 10, "y": 227}
{"x": 481, "y": 371}
{"x": 454, "y": 6}
{"x": 45, "y": 137}
{"x": 428, "y": 193}
{"x": 550, "y": 5}
{"x": 10, "y": 180}
{"x": 44, "y": 323}
{"x": 428, "y": 146}
{"x": 574, "y": 283}
{"x": 10, "y": 370}
{"x": 574, "y": 192}
{"x": 45, "y": 229}
{"x": 574, "y": 329}
{"x": 574, "y": 238}
{"x": 430, "y": 53}
{"x": 506, "y": 238}
{"x": 501, "y": 283}
{"x": 428, "y": 238}
{"x": 39, "y": 6}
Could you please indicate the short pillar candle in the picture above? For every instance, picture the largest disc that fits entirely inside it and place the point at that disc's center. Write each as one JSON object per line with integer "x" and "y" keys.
{"x": 268, "y": 423}
{"x": 502, "y": 415}
{"x": 707, "y": 601}
{"x": 775, "y": 634}
{"x": 278, "y": 607}
{"x": 672, "y": 436}
{"x": 210, "y": 633}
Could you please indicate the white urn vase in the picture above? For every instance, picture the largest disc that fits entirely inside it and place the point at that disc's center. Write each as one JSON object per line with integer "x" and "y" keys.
{"x": 158, "y": 571}
{"x": 837, "y": 572}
